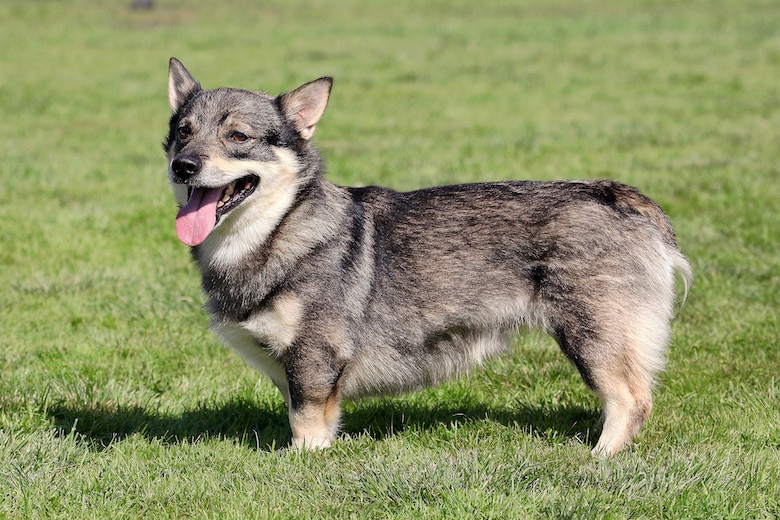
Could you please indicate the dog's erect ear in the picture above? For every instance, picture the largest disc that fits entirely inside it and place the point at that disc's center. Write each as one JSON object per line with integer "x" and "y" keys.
{"x": 181, "y": 84}
{"x": 305, "y": 105}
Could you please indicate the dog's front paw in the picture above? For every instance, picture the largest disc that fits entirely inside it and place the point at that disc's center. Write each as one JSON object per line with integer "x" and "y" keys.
{"x": 310, "y": 443}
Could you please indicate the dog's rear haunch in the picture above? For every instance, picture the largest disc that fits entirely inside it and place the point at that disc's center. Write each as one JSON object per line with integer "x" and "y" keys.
{"x": 338, "y": 292}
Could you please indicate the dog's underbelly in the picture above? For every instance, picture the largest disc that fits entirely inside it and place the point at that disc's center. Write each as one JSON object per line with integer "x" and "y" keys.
{"x": 384, "y": 369}
{"x": 378, "y": 369}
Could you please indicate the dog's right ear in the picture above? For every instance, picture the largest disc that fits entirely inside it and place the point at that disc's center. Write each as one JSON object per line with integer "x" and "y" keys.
{"x": 181, "y": 84}
{"x": 305, "y": 105}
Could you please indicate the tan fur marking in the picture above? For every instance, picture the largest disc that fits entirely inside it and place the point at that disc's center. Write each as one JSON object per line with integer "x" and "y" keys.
{"x": 627, "y": 402}
{"x": 315, "y": 425}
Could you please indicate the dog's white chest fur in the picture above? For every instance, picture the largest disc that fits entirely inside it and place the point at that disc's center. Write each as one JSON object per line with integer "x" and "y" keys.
{"x": 262, "y": 338}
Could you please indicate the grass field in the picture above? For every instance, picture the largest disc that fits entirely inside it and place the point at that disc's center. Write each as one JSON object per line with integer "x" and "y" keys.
{"x": 116, "y": 402}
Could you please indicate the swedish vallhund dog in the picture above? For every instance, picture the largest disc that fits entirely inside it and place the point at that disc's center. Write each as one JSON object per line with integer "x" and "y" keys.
{"x": 337, "y": 292}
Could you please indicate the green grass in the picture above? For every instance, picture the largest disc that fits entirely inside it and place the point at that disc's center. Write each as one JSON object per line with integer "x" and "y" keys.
{"x": 115, "y": 401}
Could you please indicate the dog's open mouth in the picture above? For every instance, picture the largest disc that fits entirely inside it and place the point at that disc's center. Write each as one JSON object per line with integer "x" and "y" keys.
{"x": 235, "y": 193}
{"x": 205, "y": 206}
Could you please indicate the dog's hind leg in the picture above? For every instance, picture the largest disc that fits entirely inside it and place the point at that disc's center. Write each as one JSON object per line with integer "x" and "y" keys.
{"x": 625, "y": 392}
{"x": 618, "y": 363}
{"x": 627, "y": 402}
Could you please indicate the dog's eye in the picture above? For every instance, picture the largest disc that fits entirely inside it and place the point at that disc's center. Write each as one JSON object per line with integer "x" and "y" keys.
{"x": 184, "y": 132}
{"x": 239, "y": 137}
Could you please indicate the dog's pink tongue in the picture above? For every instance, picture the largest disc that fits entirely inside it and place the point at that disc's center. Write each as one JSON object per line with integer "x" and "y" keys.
{"x": 196, "y": 220}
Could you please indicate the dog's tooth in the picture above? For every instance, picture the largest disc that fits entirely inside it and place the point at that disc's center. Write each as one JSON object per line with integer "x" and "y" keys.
{"x": 230, "y": 189}
{"x": 221, "y": 203}
{"x": 225, "y": 198}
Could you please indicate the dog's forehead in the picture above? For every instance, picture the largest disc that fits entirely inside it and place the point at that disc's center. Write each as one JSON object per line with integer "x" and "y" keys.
{"x": 215, "y": 107}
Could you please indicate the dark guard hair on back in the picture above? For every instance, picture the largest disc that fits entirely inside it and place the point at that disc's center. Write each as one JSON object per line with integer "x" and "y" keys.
{"x": 338, "y": 292}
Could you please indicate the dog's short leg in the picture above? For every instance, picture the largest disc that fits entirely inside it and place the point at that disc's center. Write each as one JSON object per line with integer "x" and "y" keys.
{"x": 618, "y": 366}
{"x": 623, "y": 375}
{"x": 624, "y": 387}
{"x": 313, "y": 375}
{"x": 625, "y": 410}
{"x": 314, "y": 424}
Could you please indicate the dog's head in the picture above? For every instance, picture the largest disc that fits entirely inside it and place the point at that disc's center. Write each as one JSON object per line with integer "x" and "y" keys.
{"x": 228, "y": 146}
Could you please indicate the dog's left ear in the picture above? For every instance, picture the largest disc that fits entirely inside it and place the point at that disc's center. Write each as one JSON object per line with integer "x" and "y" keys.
{"x": 181, "y": 84}
{"x": 305, "y": 105}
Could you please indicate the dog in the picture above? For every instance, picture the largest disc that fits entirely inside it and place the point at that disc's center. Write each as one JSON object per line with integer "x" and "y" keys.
{"x": 337, "y": 292}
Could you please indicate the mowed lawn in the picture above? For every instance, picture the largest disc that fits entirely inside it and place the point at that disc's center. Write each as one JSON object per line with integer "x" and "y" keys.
{"x": 115, "y": 400}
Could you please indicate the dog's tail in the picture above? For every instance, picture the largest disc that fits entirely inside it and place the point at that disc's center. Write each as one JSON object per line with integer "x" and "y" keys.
{"x": 683, "y": 268}
{"x": 656, "y": 216}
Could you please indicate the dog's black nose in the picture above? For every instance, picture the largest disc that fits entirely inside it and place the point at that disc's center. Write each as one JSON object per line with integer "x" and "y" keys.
{"x": 185, "y": 166}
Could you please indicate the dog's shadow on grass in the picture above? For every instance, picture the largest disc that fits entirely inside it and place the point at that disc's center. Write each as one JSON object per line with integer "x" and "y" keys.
{"x": 248, "y": 423}
{"x": 265, "y": 428}
{"x": 387, "y": 417}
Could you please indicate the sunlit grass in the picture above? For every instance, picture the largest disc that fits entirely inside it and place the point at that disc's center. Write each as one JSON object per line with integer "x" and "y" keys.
{"x": 115, "y": 400}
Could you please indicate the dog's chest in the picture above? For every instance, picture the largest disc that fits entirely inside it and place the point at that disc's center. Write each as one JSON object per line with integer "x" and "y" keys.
{"x": 254, "y": 349}
{"x": 264, "y": 337}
